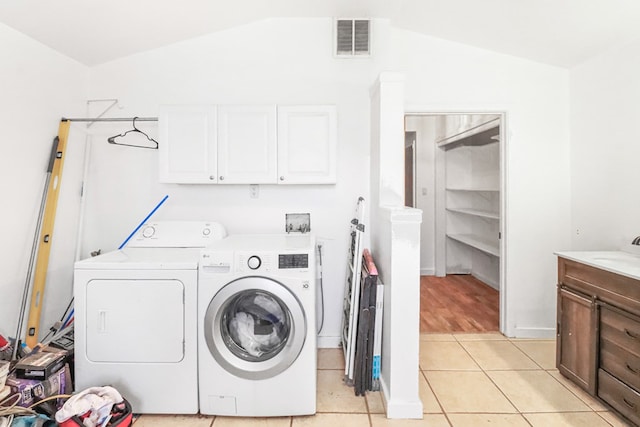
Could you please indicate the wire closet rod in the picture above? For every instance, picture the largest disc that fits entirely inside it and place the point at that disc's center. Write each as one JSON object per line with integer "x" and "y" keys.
{"x": 111, "y": 119}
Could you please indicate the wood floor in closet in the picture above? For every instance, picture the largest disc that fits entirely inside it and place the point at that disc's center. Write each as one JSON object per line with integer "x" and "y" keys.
{"x": 458, "y": 303}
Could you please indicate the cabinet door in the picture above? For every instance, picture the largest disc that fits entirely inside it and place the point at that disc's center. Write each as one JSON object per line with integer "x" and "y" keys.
{"x": 187, "y": 146}
{"x": 576, "y": 339}
{"x": 307, "y": 142}
{"x": 247, "y": 151}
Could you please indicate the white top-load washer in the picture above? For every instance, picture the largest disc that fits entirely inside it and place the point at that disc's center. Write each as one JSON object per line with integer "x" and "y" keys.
{"x": 135, "y": 317}
{"x": 257, "y": 326}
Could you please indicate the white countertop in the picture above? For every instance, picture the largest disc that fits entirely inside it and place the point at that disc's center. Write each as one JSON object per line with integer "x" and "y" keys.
{"x": 620, "y": 262}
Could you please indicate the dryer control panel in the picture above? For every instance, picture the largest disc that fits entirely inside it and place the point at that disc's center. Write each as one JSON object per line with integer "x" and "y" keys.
{"x": 178, "y": 234}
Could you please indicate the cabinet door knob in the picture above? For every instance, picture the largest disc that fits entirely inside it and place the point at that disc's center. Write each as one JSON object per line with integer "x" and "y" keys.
{"x": 212, "y": 178}
{"x": 221, "y": 178}
{"x": 282, "y": 178}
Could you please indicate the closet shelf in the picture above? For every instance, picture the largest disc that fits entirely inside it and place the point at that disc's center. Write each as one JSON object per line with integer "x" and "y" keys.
{"x": 474, "y": 190}
{"x": 485, "y": 133}
{"x": 476, "y": 212}
{"x": 477, "y": 242}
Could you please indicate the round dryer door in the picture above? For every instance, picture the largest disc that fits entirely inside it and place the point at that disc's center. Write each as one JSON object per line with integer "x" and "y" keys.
{"x": 255, "y": 327}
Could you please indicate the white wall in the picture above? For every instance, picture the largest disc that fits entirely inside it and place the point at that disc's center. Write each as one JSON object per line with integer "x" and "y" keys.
{"x": 605, "y": 150}
{"x": 288, "y": 61}
{"x": 38, "y": 87}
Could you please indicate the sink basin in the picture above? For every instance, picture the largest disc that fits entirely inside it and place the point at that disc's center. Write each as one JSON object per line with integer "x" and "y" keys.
{"x": 616, "y": 261}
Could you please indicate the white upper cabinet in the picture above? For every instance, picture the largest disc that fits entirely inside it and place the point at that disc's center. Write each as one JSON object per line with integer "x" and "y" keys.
{"x": 233, "y": 144}
{"x": 307, "y": 143}
{"x": 188, "y": 144}
{"x": 247, "y": 146}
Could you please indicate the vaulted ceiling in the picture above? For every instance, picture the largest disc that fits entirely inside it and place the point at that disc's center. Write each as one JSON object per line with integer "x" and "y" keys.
{"x": 557, "y": 32}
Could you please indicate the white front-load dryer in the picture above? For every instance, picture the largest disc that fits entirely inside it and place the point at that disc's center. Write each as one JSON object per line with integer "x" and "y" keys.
{"x": 136, "y": 317}
{"x": 257, "y": 329}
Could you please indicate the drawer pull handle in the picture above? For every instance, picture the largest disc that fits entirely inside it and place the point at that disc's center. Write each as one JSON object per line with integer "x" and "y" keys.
{"x": 635, "y": 371}
{"x": 630, "y": 334}
{"x": 629, "y": 404}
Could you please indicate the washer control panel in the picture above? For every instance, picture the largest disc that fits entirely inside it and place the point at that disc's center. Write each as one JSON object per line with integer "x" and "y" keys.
{"x": 177, "y": 234}
{"x": 252, "y": 262}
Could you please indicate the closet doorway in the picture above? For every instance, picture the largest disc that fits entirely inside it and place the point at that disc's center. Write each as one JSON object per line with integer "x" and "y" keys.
{"x": 454, "y": 173}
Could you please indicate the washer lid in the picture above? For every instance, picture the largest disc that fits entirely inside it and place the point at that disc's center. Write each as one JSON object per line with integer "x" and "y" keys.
{"x": 144, "y": 259}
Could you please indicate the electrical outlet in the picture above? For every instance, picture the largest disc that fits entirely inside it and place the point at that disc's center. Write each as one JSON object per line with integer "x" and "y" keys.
{"x": 254, "y": 191}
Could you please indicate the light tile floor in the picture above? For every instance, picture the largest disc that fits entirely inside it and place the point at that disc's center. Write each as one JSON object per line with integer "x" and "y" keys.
{"x": 465, "y": 380}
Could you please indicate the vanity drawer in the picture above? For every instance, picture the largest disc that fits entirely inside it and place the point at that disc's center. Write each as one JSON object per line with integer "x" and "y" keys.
{"x": 620, "y": 329}
{"x": 620, "y": 363}
{"x": 622, "y": 398}
{"x": 612, "y": 288}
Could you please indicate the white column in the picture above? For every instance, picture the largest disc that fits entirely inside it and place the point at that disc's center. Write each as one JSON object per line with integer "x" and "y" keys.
{"x": 395, "y": 244}
{"x": 397, "y": 249}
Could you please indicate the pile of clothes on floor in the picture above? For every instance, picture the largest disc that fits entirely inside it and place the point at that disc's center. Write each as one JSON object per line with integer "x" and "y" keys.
{"x": 36, "y": 391}
{"x": 93, "y": 407}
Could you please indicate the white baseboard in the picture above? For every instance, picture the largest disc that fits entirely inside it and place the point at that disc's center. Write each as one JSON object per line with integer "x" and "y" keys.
{"x": 329, "y": 342}
{"x": 400, "y": 408}
{"x": 427, "y": 271}
{"x": 486, "y": 280}
{"x": 525, "y": 332}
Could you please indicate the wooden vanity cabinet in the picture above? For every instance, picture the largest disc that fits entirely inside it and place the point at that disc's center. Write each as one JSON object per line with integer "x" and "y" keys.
{"x": 598, "y": 336}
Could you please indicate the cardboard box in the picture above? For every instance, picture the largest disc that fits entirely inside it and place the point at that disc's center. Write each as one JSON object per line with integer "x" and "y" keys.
{"x": 68, "y": 355}
{"x": 39, "y": 366}
{"x": 32, "y": 391}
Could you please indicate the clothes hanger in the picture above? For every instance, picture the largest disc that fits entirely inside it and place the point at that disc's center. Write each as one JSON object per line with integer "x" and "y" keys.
{"x": 112, "y": 139}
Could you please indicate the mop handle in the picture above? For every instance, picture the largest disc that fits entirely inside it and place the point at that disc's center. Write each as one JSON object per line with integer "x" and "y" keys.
{"x": 143, "y": 221}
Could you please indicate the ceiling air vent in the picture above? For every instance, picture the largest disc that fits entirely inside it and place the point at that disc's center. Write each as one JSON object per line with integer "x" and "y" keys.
{"x": 352, "y": 37}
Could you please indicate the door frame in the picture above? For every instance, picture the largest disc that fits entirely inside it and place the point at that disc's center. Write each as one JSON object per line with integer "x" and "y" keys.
{"x": 411, "y": 148}
{"x": 503, "y": 113}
